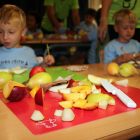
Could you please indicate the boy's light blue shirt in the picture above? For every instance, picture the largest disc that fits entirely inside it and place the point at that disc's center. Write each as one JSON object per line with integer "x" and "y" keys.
{"x": 24, "y": 56}
{"x": 92, "y": 36}
{"x": 86, "y": 28}
{"x": 113, "y": 49}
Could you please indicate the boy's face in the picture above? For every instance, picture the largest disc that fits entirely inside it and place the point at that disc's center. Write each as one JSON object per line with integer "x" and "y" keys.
{"x": 10, "y": 34}
{"x": 89, "y": 19}
{"x": 126, "y": 30}
{"x": 31, "y": 22}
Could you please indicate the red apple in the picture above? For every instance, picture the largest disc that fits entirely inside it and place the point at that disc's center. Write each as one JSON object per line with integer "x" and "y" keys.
{"x": 23, "y": 38}
{"x": 35, "y": 70}
{"x": 71, "y": 83}
{"x": 39, "y": 97}
{"x": 14, "y": 91}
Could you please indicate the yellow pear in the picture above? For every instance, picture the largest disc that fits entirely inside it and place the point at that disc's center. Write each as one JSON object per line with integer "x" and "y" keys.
{"x": 127, "y": 70}
{"x": 113, "y": 68}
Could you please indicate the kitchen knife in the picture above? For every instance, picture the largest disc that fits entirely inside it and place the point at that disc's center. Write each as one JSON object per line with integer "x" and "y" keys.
{"x": 121, "y": 95}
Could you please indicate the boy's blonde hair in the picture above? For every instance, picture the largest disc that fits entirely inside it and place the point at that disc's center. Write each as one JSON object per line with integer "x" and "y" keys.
{"x": 10, "y": 13}
{"x": 124, "y": 14}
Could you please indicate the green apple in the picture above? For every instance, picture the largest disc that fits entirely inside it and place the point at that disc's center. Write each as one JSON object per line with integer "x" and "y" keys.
{"x": 39, "y": 78}
{"x": 103, "y": 104}
{"x": 96, "y": 80}
{"x": 97, "y": 97}
{"x": 4, "y": 77}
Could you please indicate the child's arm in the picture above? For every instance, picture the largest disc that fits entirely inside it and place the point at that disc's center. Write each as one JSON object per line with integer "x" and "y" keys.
{"x": 124, "y": 58}
{"x": 48, "y": 60}
{"x": 137, "y": 57}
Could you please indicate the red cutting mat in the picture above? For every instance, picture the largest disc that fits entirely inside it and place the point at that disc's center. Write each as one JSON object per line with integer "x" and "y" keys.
{"x": 24, "y": 109}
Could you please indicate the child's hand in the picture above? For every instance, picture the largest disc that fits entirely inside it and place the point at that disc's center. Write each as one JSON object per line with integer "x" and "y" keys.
{"x": 125, "y": 58}
{"x": 49, "y": 60}
{"x": 137, "y": 57}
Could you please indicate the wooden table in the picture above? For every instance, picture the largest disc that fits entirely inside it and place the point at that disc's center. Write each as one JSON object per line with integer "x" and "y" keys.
{"x": 121, "y": 126}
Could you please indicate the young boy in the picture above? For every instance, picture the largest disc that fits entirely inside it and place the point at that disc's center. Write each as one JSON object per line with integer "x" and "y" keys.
{"x": 123, "y": 48}
{"x": 88, "y": 24}
{"x": 33, "y": 24}
{"x": 12, "y": 27}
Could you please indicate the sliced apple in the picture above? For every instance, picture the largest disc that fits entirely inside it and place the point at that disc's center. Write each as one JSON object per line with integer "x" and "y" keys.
{"x": 80, "y": 103}
{"x": 39, "y": 97}
{"x": 83, "y": 88}
{"x": 97, "y": 97}
{"x": 34, "y": 91}
{"x": 96, "y": 80}
{"x": 56, "y": 88}
{"x": 19, "y": 71}
{"x": 67, "y": 115}
{"x": 74, "y": 96}
{"x": 96, "y": 91}
{"x": 91, "y": 105}
{"x": 58, "y": 112}
{"x": 65, "y": 91}
{"x": 103, "y": 104}
{"x": 37, "y": 116}
{"x": 14, "y": 91}
{"x": 70, "y": 83}
{"x": 5, "y": 70}
{"x": 122, "y": 82}
{"x": 111, "y": 101}
{"x": 66, "y": 104}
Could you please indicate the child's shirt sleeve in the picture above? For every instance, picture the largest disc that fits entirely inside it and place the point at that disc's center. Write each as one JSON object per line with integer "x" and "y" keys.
{"x": 92, "y": 36}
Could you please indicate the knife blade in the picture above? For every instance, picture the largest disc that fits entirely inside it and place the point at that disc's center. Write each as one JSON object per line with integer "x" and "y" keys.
{"x": 121, "y": 95}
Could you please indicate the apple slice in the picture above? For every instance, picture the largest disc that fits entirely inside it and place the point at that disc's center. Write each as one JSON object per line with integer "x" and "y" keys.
{"x": 91, "y": 105}
{"x": 74, "y": 96}
{"x": 33, "y": 91}
{"x": 80, "y": 103}
{"x": 103, "y": 104}
{"x": 70, "y": 83}
{"x": 122, "y": 82}
{"x": 96, "y": 80}
{"x": 97, "y": 97}
{"x": 56, "y": 88}
{"x": 96, "y": 91}
{"x": 14, "y": 91}
{"x": 39, "y": 97}
{"x": 66, "y": 104}
{"x": 67, "y": 115}
{"x": 5, "y": 70}
{"x": 58, "y": 112}
{"x": 37, "y": 116}
{"x": 84, "y": 88}
{"x": 19, "y": 71}
{"x": 111, "y": 101}
{"x": 65, "y": 91}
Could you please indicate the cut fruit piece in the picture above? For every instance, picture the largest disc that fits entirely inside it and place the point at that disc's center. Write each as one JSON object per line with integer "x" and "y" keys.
{"x": 70, "y": 83}
{"x": 66, "y": 104}
{"x": 56, "y": 88}
{"x": 111, "y": 101}
{"x": 93, "y": 87}
{"x": 58, "y": 112}
{"x": 14, "y": 91}
{"x": 5, "y": 70}
{"x": 96, "y": 91}
{"x": 97, "y": 97}
{"x": 85, "y": 82}
{"x": 37, "y": 116}
{"x": 19, "y": 71}
{"x": 80, "y": 103}
{"x": 39, "y": 97}
{"x": 122, "y": 82}
{"x": 65, "y": 91}
{"x": 96, "y": 80}
{"x": 74, "y": 96}
{"x": 80, "y": 89}
{"x": 103, "y": 104}
{"x": 33, "y": 91}
{"x": 91, "y": 105}
{"x": 67, "y": 115}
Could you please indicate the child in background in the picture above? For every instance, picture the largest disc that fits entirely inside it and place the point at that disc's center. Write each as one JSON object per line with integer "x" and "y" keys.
{"x": 12, "y": 27}
{"x": 33, "y": 24}
{"x": 89, "y": 24}
{"x": 123, "y": 48}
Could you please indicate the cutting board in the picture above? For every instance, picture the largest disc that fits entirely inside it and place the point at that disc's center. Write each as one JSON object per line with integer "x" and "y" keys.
{"x": 24, "y": 109}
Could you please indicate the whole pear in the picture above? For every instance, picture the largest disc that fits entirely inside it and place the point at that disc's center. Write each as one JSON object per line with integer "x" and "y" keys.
{"x": 39, "y": 78}
{"x": 113, "y": 68}
{"x": 127, "y": 70}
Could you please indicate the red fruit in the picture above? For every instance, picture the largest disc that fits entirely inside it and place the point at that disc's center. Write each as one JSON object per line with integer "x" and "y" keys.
{"x": 39, "y": 97}
{"x": 35, "y": 70}
{"x": 71, "y": 81}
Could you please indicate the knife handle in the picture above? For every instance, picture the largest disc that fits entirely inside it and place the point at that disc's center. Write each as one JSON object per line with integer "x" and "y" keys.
{"x": 125, "y": 99}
